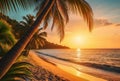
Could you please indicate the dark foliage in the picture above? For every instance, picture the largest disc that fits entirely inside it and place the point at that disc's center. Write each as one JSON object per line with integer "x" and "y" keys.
{"x": 16, "y": 27}
{"x": 49, "y": 45}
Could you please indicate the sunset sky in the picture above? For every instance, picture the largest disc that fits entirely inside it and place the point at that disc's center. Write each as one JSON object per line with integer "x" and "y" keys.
{"x": 106, "y": 32}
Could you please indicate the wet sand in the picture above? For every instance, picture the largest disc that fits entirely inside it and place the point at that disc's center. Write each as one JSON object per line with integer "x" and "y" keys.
{"x": 47, "y": 71}
{"x": 88, "y": 71}
{"x": 44, "y": 68}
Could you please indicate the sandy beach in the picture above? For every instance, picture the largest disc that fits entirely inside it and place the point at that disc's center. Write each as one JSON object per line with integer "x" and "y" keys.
{"x": 47, "y": 71}
{"x": 50, "y": 69}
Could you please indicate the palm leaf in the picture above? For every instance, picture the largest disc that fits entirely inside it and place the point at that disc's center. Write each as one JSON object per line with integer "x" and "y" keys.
{"x": 21, "y": 64}
{"x": 18, "y": 70}
{"x": 83, "y": 8}
{"x": 17, "y": 75}
{"x": 15, "y": 5}
{"x": 43, "y": 34}
{"x": 59, "y": 13}
{"x": 62, "y": 7}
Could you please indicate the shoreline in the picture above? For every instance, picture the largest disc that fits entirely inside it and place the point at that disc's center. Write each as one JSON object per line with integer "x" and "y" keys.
{"x": 53, "y": 68}
{"x": 69, "y": 73}
{"x": 97, "y": 70}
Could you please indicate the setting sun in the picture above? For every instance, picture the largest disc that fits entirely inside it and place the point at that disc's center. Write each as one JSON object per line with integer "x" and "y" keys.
{"x": 78, "y": 41}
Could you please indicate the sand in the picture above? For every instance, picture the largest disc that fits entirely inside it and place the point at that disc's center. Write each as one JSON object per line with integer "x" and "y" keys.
{"x": 45, "y": 71}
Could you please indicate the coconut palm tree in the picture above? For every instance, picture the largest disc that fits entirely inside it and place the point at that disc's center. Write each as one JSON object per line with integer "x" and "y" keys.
{"x": 80, "y": 6}
{"x": 28, "y": 21}
{"x": 38, "y": 40}
{"x": 7, "y": 40}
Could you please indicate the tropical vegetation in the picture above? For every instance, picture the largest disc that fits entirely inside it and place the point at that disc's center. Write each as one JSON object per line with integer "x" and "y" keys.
{"x": 19, "y": 70}
{"x": 57, "y": 10}
{"x": 38, "y": 40}
{"x": 7, "y": 39}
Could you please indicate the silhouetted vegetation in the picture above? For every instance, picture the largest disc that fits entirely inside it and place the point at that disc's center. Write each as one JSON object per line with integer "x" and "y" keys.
{"x": 20, "y": 70}
{"x": 49, "y": 45}
{"x": 16, "y": 26}
{"x": 7, "y": 39}
{"x": 18, "y": 29}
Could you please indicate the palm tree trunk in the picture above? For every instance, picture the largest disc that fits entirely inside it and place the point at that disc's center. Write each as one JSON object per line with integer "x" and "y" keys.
{"x": 7, "y": 61}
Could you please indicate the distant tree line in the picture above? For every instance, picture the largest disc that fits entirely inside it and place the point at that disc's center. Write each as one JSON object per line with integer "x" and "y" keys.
{"x": 49, "y": 45}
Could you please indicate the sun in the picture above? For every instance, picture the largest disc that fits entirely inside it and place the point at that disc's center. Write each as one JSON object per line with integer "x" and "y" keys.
{"x": 75, "y": 41}
{"x": 78, "y": 40}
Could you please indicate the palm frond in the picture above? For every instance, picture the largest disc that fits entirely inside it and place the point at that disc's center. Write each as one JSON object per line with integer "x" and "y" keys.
{"x": 40, "y": 6}
{"x": 21, "y": 64}
{"x": 17, "y": 75}
{"x": 59, "y": 13}
{"x": 59, "y": 22}
{"x": 35, "y": 41}
{"x": 7, "y": 39}
{"x": 20, "y": 70}
{"x": 62, "y": 7}
{"x": 83, "y": 8}
{"x": 46, "y": 20}
{"x": 43, "y": 34}
{"x": 15, "y": 5}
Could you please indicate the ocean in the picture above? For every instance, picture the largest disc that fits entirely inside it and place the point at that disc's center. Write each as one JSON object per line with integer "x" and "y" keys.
{"x": 99, "y": 56}
{"x": 107, "y": 60}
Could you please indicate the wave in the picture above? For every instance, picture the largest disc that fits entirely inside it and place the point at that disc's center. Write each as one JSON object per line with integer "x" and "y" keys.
{"x": 105, "y": 67}
{"x": 102, "y": 66}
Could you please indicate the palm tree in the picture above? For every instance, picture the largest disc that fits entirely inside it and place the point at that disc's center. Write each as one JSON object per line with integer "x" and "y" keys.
{"x": 38, "y": 40}
{"x": 59, "y": 13}
{"x": 28, "y": 21}
{"x": 7, "y": 40}
{"x": 74, "y": 5}
{"x": 20, "y": 71}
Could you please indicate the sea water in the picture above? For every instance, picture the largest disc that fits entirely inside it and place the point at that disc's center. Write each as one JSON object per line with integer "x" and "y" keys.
{"x": 109, "y": 57}
{"x": 102, "y": 63}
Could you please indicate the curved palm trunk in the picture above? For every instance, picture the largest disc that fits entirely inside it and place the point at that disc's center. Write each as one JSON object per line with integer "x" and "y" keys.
{"x": 7, "y": 61}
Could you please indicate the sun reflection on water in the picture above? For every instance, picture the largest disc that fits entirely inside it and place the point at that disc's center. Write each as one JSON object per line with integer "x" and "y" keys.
{"x": 78, "y": 53}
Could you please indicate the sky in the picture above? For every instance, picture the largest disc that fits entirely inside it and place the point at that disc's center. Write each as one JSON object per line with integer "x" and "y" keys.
{"x": 106, "y": 31}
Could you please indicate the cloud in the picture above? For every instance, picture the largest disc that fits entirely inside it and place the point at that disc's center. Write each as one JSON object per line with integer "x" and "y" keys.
{"x": 102, "y": 22}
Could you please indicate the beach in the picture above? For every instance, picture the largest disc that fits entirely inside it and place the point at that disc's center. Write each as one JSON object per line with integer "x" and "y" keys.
{"x": 47, "y": 71}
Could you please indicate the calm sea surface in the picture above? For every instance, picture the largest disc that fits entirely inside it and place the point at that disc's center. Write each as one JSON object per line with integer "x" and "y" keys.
{"x": 98, "y": 56}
